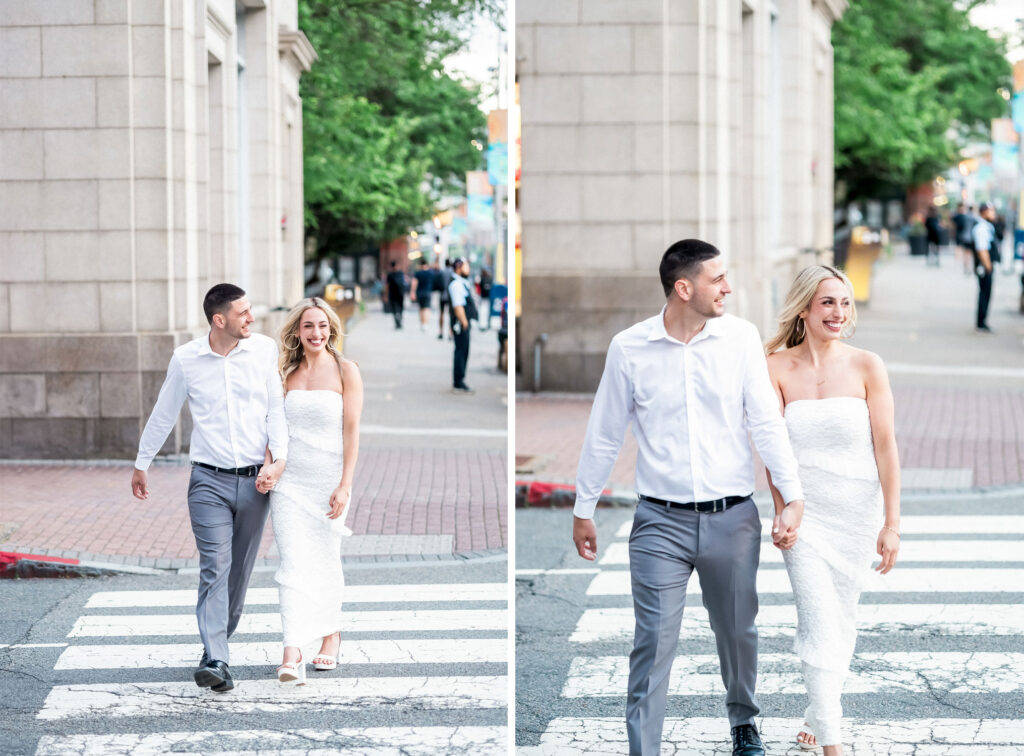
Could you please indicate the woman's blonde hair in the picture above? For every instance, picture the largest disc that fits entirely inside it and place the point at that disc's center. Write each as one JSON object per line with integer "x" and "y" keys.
{"x": 791, "y": 326}
{"x": 291, "y": 344}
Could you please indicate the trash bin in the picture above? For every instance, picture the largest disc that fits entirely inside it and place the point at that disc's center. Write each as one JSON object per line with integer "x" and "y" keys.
{"x": 865, "y": 247}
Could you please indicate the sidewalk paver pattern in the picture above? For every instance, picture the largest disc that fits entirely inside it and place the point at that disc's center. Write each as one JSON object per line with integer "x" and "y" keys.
{"x": 414, "y": 494}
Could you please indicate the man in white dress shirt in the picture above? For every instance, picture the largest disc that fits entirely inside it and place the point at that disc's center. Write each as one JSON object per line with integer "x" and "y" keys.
{"x": 239, "y": 437}
{"x": 693, "y": 382}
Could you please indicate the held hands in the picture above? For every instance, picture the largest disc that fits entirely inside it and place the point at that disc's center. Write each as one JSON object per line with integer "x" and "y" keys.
{"x": 268, "y": 476}
{"x": 888, "y": 547}
{"x": 140, "y": 484}
{"x": 339, "y": 501}
{"x": 785, "y": 525}
{"x": 584, "y": 535}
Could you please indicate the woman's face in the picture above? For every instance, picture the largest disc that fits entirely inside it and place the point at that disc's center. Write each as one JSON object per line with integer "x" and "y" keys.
{"x": 829, "y": 310}
{"x": 314, "y": 330}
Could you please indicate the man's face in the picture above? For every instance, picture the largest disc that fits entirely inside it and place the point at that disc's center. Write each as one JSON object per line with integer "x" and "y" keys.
{"x": 462, "y": 268}
{"x": 709, "y": 287}
{"x": 237, "y": 319}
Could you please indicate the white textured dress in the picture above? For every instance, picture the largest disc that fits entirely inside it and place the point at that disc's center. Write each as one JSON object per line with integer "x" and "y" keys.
{"x": 310, "y": 579}
{"x": 843, "y": 512}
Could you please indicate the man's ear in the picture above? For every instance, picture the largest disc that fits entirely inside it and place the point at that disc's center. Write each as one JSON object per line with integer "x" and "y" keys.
{"x": 221, "y": 322}
{"x": 683, "y": 289}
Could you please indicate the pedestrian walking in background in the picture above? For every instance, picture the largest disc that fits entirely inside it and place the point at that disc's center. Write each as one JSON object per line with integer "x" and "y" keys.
{"x": 850, "y": 476}
{"x": 442, "y": 280}
{"x": 693, "y": 383}
{"x": 396, "y": 284}
{"x": 463, "y": 310}
{"x": 986, "y": 255}
{"x": 423, "y": 290}
{"x": 486, "y": 282}
{"x": 963, "y": 224}
{"x": 933, "y": 231}
{"x": 239, "y": 439}
{"x": 323, "y": 404}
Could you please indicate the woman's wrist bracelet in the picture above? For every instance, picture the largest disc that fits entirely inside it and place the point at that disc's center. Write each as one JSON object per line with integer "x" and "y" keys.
{"x": 892, "y": 530}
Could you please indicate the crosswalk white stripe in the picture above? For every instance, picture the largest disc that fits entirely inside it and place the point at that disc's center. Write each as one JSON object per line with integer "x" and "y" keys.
{"x": 917, "y": 672}
{"x": 900, "y": 580}
{"x": 910, "y": 551}
{"x": 354, "y": 594}
{"x": 923, "y": 525}
{"x": 402, "y": 651}
{"x": 249, "y": 696}
{"x": 370, "y": 741}
{"x": 597, "y": 625}
{"x": 699, "y": 736}
{"x": 415, "y": 620}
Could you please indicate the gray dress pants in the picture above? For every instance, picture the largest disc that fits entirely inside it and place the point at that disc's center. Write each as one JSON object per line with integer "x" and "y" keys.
{"x": 665, "y": 546}
{"x": 228, "y": 515}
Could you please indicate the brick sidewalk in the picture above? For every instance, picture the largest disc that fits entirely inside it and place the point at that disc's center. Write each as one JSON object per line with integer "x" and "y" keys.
{"x": 959, "y": 396}
{"x": 422, "y": 487}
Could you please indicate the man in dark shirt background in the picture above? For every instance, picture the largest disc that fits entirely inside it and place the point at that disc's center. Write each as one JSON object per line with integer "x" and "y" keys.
{"x": 396, "y": 285}
{"x": 423, "y": 290}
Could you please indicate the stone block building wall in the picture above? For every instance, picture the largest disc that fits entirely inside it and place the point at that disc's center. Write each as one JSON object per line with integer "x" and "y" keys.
{"x": 650, "y": 121}
{"x": 150, "y": 148}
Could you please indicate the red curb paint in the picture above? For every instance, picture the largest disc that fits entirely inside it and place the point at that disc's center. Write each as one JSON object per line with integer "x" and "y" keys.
{"x": 10, "y": 557}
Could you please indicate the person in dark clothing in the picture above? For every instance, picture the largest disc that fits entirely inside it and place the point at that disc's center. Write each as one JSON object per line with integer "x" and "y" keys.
{"x": 933, "y": 229}
{"x": 396, "y": 285}
{"x": 463, "y": 310}
{"x": 486, "y": 282}
{"x": 442, "y": 280}
{"x": 422, "y": 290}
{"x": 963, "y": 223}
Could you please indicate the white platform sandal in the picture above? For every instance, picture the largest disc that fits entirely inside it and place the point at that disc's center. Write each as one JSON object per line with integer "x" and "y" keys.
{"x": 292, "y": 673}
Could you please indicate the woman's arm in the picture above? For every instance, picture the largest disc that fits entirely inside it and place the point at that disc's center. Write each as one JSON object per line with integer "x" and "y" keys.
{"x": 353, "y": 410}
{"x": 883, "y": 434}
{"x": 780, "y": 504}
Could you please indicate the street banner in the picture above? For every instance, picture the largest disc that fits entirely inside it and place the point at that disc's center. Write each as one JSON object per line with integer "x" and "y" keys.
{"x": 497, "y": 163}
{"x": 1017, "y": 111}
{"x": 481, "y": 210}
{"x": 477, "y": 183}
{"x": 497, "y": 126}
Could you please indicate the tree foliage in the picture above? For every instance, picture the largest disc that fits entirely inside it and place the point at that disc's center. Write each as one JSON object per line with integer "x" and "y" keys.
{"x": 914, "y": 81}
{"x": 387, "y": 131}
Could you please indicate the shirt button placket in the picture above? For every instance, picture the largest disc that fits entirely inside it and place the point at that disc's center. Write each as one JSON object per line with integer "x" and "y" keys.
{"x": 230, "y": 401}
{"x": 691, "y": 411}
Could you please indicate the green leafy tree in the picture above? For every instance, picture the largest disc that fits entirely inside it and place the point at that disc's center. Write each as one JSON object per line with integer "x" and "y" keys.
{"x": 914, "y": 81}
{"x": 387, "y": 130}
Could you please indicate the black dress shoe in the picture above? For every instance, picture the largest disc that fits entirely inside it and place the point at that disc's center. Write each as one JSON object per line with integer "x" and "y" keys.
{"x": 204, "y": 660}
{"x": 746, "y": 741}
{"x": 215, "y": 676}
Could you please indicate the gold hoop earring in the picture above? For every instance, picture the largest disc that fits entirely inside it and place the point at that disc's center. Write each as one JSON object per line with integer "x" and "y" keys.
{"x": 289, "y": 346}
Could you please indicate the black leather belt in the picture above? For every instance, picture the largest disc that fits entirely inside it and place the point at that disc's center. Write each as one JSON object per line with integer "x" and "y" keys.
{"x": 715, "y": 505}
{"x": 246, "y": 472}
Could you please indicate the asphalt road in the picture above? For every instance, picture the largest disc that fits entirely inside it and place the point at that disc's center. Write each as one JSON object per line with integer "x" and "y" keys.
{"x": 915, "y": 662}
{"x": 426, "y": 648}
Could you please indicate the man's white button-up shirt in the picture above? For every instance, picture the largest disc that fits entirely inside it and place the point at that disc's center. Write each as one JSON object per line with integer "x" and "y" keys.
{"x": 236, "y": 402}
{"x": 691, "y": 406}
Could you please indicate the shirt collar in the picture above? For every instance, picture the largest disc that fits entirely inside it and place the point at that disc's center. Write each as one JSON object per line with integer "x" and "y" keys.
{"x": 712, "y": 327}
{"x": 204, "y": 346}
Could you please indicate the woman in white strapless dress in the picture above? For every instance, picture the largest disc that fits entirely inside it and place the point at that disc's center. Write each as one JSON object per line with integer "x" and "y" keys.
{"x": 323, "y": 403}
{"x": 839, "y": 411}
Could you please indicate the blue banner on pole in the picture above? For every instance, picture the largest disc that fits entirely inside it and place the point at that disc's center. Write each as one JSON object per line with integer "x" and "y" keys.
{"x": 497, "y": 164}
{"x": 1017, "y": 112}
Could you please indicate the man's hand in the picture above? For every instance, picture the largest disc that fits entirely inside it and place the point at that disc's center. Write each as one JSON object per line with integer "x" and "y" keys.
{"x": 785, "y": 525}
{"x": 140, "y": 484}
{"x": 268, "y": 476}
{"x": 584, "y": 535}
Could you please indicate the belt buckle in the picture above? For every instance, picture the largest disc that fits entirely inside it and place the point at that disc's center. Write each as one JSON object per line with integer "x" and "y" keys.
{"x": 715, "y": 503}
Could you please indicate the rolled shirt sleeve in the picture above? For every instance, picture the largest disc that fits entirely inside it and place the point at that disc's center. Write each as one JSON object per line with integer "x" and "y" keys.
{"x": 165, "y": 414}
{"x": 767, "y": 428}
{"x": 609, "y": 418}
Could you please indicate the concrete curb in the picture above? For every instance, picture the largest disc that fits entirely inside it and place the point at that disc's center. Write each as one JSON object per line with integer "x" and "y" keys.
{"x": 23, "y": 566}
{"x": 538, "y": 494}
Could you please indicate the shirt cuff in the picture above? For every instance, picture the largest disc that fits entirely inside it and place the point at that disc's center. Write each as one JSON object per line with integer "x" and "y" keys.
{"x": 143, "y": 463}
{"x": 584, "y": 509}
{"x": 790, "y": 492}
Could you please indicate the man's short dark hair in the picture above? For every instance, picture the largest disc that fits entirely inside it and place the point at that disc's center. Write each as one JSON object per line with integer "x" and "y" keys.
{"x": 424, "y": 263}
{"x": 683, "y": 260}
{"x": 219, "y": 299}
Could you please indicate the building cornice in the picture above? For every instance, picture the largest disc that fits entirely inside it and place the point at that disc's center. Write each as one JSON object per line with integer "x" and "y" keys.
{"x": 294, "y": 43}
{"x": 834, "y": 8}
